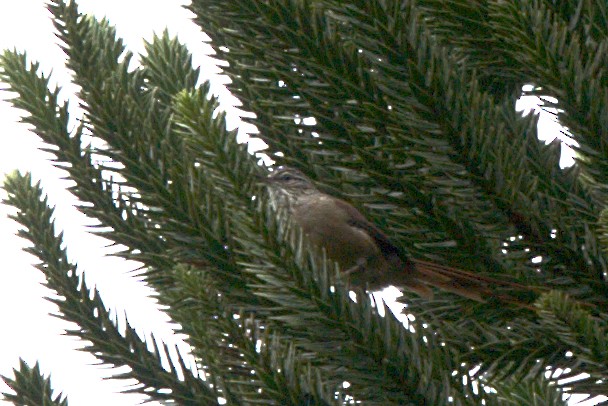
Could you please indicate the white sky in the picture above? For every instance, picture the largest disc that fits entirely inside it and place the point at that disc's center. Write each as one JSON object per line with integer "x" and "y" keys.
{"x": 28, "y": 331}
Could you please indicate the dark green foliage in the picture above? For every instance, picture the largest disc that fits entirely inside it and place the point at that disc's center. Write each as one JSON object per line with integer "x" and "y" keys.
{"x": 407, "y": 110}
{"x": 421, "y": 131}
{"x": 32, "y": 388}
{"x": 537, "y": 392}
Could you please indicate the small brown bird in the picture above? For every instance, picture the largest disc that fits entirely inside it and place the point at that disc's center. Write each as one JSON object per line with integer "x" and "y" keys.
{"x": 362, "y": 251}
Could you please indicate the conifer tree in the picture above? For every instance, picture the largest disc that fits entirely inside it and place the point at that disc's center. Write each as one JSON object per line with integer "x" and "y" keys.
{"x": 407, "y": 110}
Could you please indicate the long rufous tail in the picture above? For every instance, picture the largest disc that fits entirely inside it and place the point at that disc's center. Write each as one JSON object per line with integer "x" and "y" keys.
{"x": 466, "y": 284}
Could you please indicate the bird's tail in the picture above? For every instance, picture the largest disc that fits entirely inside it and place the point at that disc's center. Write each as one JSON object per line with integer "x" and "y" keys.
{"x": 466, "y": 284}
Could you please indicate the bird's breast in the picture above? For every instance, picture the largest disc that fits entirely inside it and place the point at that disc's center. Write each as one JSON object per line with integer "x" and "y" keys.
{"x": 326, "y": 224}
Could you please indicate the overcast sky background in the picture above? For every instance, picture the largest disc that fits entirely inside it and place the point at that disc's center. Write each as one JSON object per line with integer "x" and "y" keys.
{"x": 27, "y": 330}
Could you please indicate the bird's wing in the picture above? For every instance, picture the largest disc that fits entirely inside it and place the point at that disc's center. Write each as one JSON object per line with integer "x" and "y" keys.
{"x": 356, "y": 219}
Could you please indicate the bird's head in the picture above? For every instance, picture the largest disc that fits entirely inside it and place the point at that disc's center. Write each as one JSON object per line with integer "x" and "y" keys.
{"x": 289, "y": 179}
{"x": 286, "y": 186}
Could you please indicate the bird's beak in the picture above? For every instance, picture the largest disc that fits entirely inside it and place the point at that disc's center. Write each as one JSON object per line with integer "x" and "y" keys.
{"x": 262, "y": 179}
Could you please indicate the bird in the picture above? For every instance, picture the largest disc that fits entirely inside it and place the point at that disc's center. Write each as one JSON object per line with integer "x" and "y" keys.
{"x": 365, "y": 254}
